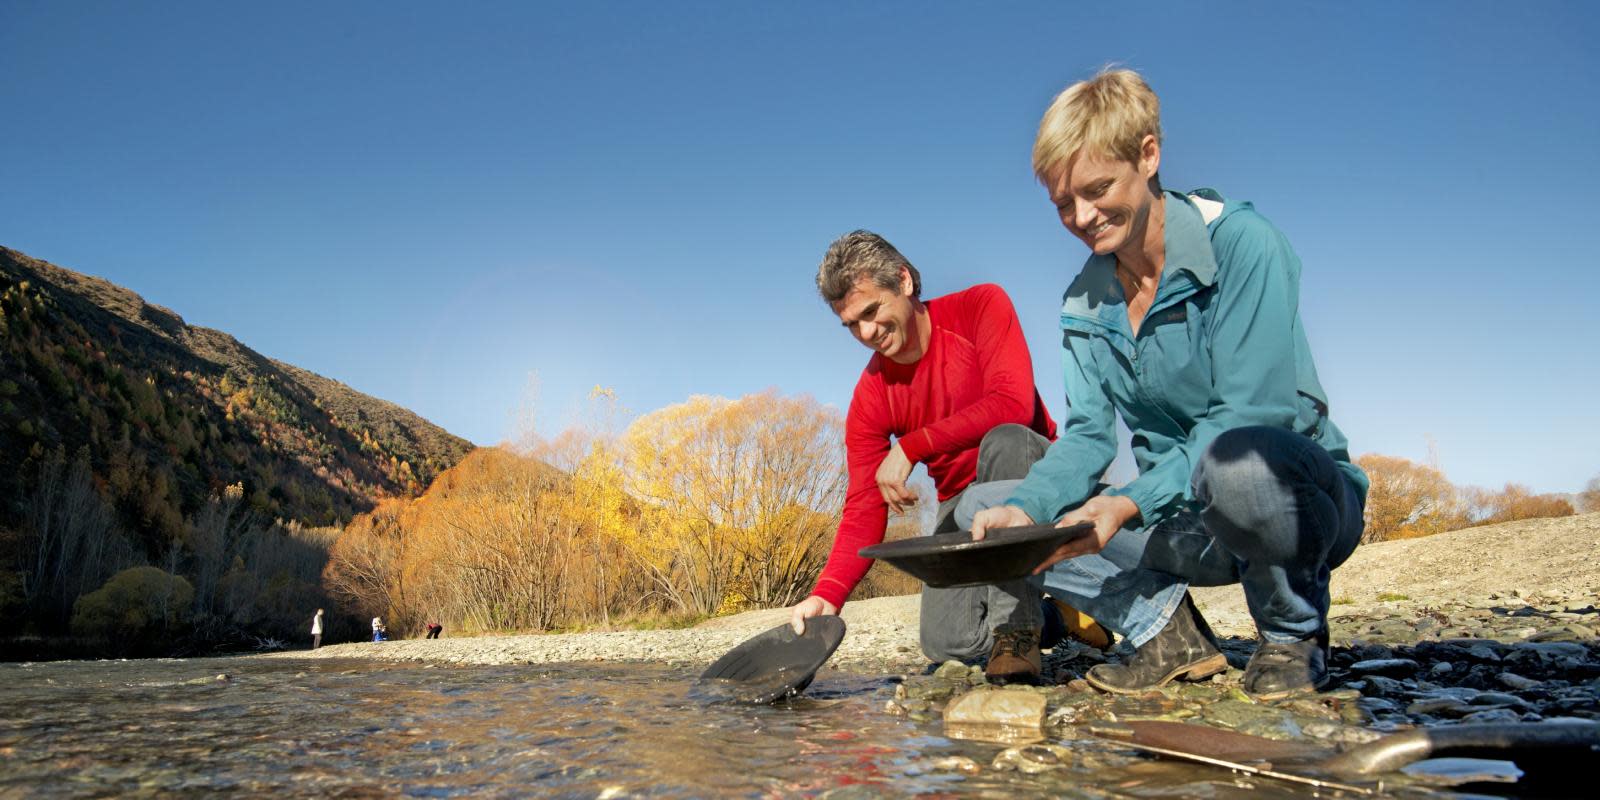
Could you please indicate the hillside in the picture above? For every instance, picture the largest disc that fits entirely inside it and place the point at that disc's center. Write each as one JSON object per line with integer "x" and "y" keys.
{"x": 166, "y": 414}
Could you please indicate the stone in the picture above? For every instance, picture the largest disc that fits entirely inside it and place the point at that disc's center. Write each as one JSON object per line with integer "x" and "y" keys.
{"x": 1492, "y": 716}
{"x": 1498, "y": 699}
{"x": 1436, "y": 705}
{"x": 1554, "y": 650}
{"x": 1033, "y": 759}
{"x": 1483, "y": 652}
{"x": 961, "y": 764}
{"x": 1514, "y": 681}
{"x": 1389, "y": 667}
{"x": 1564, "y": 633}
{"x": 1382, "y": 686}
{"x": 996, "y": 715}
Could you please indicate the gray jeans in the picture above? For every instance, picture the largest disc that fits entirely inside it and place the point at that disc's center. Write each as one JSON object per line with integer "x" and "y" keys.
{"x": 958, "y": 623}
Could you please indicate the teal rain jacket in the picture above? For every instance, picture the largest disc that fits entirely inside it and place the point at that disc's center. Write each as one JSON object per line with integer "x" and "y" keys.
{"x": 1221, "y": 347}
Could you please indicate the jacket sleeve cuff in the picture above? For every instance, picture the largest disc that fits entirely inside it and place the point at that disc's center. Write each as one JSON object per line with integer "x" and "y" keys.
{"x": 1150, "y": 503}
{"x": 832, "y": 591}
{"x": 1033, "y": 504}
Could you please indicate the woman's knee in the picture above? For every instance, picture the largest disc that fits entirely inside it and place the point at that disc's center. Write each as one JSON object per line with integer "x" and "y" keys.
{"x": 1241, "y": 463}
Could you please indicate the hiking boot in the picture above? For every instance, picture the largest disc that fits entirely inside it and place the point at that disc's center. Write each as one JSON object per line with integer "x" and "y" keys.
{"x": 1185, "y": 648}
{"x": 1015, "y": 657}
{"x": 1062, "y": 622}
{"x": 1277, "y": 671}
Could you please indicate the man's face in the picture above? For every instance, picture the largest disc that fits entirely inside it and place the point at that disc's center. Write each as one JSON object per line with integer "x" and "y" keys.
{"x": 882, "y": 319}
{"x": 1105, "y": 202}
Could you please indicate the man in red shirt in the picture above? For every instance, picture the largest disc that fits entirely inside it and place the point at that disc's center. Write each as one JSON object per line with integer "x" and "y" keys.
{"x": 951, "y": 381}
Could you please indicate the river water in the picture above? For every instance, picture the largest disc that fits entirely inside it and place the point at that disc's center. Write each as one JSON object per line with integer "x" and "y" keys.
{"x": 331, "y": 728}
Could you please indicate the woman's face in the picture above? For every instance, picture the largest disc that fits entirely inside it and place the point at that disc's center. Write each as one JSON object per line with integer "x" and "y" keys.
{"x": 1106, "y": 202}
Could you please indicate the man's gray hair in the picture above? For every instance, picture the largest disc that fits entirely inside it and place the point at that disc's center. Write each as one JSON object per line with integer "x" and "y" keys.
{"x": 862, "y": 254}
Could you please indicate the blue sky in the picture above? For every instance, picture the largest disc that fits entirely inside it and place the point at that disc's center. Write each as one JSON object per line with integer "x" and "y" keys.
{"x": 434, "y": 202}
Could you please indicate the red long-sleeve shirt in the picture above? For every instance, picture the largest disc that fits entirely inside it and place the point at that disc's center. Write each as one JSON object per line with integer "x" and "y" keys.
{"x": 976, "y": 374}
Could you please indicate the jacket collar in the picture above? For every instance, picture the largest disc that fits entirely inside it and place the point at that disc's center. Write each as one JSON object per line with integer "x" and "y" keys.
{"x": 1190, "y": 264}
{"x": 1188, "y": 241}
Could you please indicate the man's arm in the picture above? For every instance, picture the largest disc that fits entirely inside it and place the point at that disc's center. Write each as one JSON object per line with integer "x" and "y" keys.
{"x": 865, "y": 516}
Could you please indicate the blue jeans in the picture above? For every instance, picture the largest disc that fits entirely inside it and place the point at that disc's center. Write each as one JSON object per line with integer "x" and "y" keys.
{"x": 1271, "y": 512}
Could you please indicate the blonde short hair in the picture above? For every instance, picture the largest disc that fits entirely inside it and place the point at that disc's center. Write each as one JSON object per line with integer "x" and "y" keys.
{"x": 1108, "y": 115}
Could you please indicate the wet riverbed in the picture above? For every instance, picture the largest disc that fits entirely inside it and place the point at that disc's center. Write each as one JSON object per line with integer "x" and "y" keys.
{"x": 208, "y": 727}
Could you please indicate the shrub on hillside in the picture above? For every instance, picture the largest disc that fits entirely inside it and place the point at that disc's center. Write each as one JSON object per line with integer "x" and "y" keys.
{"x": 138, "y": 605}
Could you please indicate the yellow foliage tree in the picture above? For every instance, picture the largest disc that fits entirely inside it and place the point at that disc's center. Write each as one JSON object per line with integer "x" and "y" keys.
{"x": 737, "y": 497}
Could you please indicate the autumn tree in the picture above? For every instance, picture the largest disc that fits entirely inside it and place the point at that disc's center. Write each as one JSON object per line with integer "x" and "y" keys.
{"x": 491, "y": 545}
{"x": 737, "y": 497}
{"x": 366, "y": 564}
{"x": 71, "y": 541}
{"x": 1517, "y": 501}
{"x": 1408, "y": 499}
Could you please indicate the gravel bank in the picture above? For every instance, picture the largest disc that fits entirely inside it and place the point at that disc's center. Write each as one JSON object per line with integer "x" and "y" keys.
{"x": 1511, "y": 559}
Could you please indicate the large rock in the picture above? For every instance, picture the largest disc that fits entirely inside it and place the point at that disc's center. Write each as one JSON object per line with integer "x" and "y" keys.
{"x": 1007, "y": 716}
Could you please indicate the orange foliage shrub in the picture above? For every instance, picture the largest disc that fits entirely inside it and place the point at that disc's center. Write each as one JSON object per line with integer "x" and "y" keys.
{"x": 1408, "y": 499}
{"x": 1516, "y": 502}
{"x": 710, "y": 505}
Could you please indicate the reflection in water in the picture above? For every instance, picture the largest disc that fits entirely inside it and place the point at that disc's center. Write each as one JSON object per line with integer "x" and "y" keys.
{"x": 359, "y": 729}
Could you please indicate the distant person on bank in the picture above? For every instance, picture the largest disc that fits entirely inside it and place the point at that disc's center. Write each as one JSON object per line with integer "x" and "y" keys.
{"x": 378, "y": 629}
{"x": 434, "y": 629}
{"x": 1185, "y": 321}
{"x": 950, "y": 385}
{"x": 316, "y": 630}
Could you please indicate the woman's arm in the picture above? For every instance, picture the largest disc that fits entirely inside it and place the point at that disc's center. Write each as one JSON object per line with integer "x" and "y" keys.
{"x": 1073, "y": 465}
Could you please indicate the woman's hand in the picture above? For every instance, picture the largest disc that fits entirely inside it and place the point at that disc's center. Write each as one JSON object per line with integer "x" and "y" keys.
{"x": 998, "y": 517}
{"x": 812, "y": 606}
{"x": 1108, "y": 513}
{"x": 891, "y": 478}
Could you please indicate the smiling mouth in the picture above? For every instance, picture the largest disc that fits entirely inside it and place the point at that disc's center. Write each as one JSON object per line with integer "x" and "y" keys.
{"x": 1099, "y": 229}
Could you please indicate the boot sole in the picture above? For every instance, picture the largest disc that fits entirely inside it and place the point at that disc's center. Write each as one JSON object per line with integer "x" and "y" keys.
{"x": 1199, "y": 670}
{"x": 1284, "y": 694}
{"x": 1014, "y": 679}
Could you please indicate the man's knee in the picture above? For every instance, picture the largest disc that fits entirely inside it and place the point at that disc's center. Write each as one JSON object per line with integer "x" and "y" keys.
{"x": 1007, "y": 451}
{"x": 942, "y": 644}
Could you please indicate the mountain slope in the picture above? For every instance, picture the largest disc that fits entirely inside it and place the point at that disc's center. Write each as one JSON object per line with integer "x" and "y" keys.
{"x": 167, "y": 414}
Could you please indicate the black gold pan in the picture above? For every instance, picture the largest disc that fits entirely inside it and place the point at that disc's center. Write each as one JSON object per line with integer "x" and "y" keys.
{"x": 773, "y": 665}
{"x": 954, "y": 559}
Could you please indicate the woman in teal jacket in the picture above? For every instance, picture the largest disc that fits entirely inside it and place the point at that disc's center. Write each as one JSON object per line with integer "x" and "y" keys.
{"x": 1185, "y": 320}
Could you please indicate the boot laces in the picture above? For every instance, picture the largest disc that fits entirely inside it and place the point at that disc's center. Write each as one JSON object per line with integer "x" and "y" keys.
{"x": 1018, "y": 643}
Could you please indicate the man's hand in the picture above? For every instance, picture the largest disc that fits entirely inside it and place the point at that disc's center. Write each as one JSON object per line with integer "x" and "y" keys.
{"x": 998, "y": 517}
{"x": 812, "y": 606}
{"x": 892, "y": 474}
{"x": 1109, "y": 513}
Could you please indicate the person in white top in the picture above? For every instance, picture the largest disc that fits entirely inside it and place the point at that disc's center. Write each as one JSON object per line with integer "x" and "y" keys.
{"x": 377, "y": 629}
{"x": 316, "y": 630}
